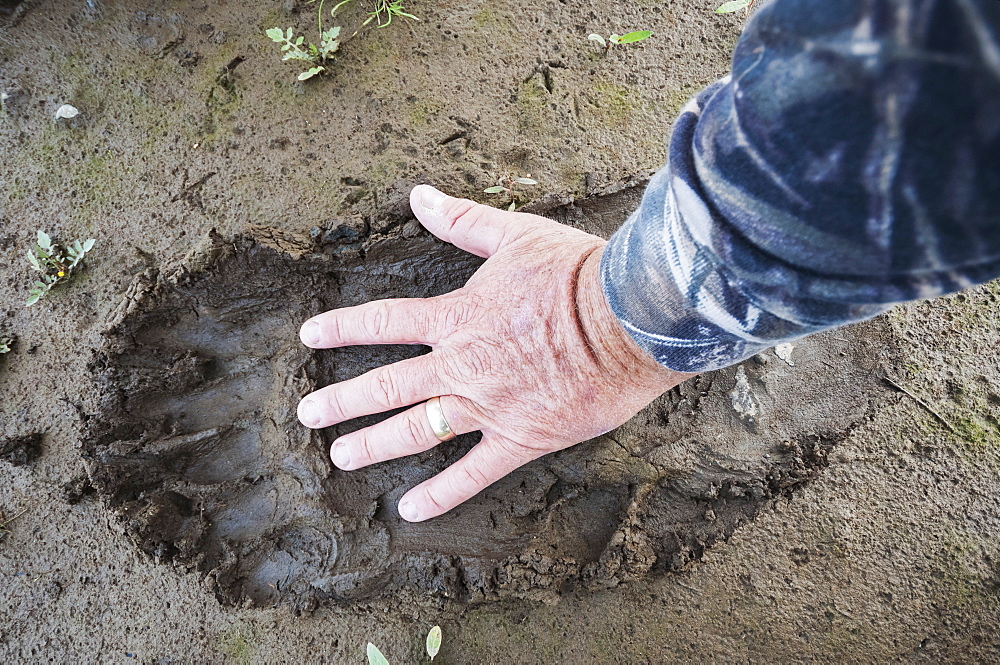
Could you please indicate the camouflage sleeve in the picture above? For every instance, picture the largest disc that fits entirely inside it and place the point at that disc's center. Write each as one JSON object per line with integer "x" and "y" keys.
{"x": 850, "y": 161}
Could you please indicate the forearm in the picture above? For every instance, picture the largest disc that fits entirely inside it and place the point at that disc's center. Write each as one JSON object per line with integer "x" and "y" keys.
{"x": 828, "y": 178}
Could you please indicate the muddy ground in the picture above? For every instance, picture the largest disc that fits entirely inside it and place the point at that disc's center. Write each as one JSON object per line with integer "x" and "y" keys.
{"x": 837, "y": 504}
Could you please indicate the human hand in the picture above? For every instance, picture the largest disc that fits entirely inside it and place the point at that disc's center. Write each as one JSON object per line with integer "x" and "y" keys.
{"x": 528, "y": 352}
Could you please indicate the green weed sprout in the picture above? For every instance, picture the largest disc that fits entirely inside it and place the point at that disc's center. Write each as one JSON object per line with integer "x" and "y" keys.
{"x": 317, "y": 56}
{"x": 295, "y": 48}
{"x": 434, "y": 641}
{"x": 508, "y": 183}
{"x": 620, "y": 40}
{"x": 383, "y": 11}
{"x": 55, "y": 263}
{"x": 375, "y": 656}
{"x": 6, "y": 344}
{"x": 734, "y": 6}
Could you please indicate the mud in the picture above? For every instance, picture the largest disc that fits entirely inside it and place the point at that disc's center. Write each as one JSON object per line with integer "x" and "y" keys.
{"x": 857, "y": 525}
{"x": 21, "y": 450}
{"x": 197, "y": 449}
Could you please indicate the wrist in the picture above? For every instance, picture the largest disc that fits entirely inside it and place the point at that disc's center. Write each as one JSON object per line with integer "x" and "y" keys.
{"x": 608, "y": 340}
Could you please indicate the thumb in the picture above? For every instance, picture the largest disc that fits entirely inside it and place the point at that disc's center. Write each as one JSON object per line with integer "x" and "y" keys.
{"x": 474, "y": 227}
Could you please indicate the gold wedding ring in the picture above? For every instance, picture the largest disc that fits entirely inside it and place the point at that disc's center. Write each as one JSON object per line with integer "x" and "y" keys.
{"x": 437, "y": 420}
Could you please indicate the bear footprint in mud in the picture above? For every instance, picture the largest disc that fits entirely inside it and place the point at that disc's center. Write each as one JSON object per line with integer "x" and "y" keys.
{"x": 197, "y": 450}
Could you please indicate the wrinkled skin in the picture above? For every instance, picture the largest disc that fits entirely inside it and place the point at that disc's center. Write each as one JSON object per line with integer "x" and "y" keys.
{"x": 528, "y": 352}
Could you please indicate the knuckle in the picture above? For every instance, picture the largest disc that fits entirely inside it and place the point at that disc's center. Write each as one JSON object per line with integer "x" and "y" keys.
{"x": 365, "y": 452}
{"x": 384, "y": 390}
{"x": 470, "y": 479}
{"x": 413, "y": 435}
{"x": 431, "y": 496}
{"x": 376, "y": 320}
{"x": 332, "y": 329}
{"x": 463, "y": 311}
{"x": 335, "y": 406}
{"x": 480, "y": 359}
{"x": 466, "y": 215}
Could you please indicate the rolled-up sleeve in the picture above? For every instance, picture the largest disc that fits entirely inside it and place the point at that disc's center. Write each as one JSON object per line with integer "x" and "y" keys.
{"x": 849, "y": 162}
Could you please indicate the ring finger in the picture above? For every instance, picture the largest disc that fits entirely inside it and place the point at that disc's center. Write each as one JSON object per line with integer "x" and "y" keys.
{"x": 404, "y": 434}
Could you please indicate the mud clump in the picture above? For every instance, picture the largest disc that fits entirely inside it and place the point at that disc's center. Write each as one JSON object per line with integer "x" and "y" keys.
{"x": 196, "y": 448}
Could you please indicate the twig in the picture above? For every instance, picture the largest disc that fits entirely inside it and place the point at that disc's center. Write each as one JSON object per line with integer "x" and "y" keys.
{"x": 4, "y": 521}
{"x": 942, "y": 419}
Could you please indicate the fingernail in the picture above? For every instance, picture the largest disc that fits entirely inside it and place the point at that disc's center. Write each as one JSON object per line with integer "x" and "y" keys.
{"x": 408, "y": 511}
{"x": 341, "y": 456}
{"x": 309, "y": 413}
{"x": 430, "y": 198}
{"x": 310, "y": 333}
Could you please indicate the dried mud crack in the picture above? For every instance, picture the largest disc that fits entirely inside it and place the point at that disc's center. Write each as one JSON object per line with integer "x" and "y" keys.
{"x": 196, "y": 449}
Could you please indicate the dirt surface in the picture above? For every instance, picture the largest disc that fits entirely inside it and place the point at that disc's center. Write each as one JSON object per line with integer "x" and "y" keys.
{"x": 160, "y": 504}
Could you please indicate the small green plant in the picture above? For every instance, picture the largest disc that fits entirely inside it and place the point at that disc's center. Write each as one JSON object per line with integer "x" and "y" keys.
{"x": 6, "y": 344}
{"x": 295, "y": 48}
{"x": 434, "y": 641}
{"x": 383, "y": 11}
{"x": 734, "y": 6}
{"x": 317, "y": 56}
{"x": 375, "y": 656}
{"x": 55, "y": 263}
{"x": 620, "y": 40}
{"x": 507, "y": 183}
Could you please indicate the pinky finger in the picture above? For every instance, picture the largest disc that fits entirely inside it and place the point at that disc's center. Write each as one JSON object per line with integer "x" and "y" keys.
{"x": 489, "y": 461}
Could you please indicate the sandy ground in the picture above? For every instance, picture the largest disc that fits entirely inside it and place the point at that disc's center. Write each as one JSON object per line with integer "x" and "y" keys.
{"x": 886, "y": 550}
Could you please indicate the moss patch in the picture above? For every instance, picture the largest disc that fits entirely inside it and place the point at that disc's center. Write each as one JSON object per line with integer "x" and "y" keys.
{"x": 236, "y": 645}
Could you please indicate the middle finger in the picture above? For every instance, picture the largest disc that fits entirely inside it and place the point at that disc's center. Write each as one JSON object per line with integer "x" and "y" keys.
{"x": 383, "y": 389}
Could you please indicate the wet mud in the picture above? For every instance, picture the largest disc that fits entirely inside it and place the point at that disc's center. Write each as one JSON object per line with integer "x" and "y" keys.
{"x": 190, "y": 121}
{"x": 196, "y": 448}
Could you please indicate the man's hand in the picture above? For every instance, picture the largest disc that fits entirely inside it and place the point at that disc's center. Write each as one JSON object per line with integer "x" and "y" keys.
{"x": 528, "y": 352}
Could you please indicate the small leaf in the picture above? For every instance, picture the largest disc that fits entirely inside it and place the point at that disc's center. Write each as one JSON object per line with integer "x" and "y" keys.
{"x": 375, "y": 656}
{"x": 597, "y": 38}
{"x": 298, "y": 42}
{"x": 44, "y": 241}
{"x": 434, "y": 641}
{"x": 275, "y": 34}
{"x": 614, "y": 39}
{"x": 733, "y": 6}
{"x": 513, "y": 205}
{"x": 33, "y": 299}
{"x": 311, "y": 72}
{"x": 633, "y": 37}
{"x": 34, "y": 261}
{"x": 89, "y": 244}
{"x": 526, "y": 181}
{"x": 494, "y": 190}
